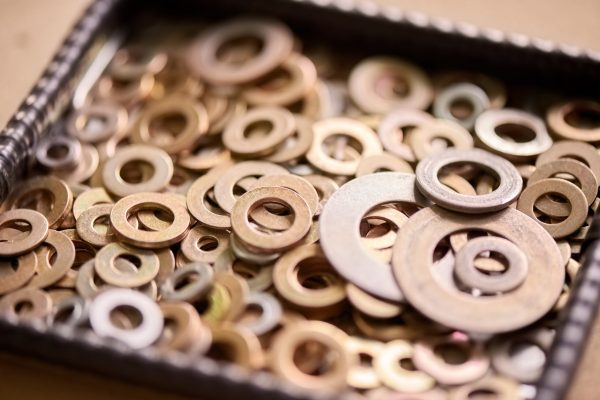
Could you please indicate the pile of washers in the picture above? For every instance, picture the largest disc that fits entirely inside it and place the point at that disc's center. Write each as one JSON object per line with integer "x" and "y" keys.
{"x": 348, "y": 222}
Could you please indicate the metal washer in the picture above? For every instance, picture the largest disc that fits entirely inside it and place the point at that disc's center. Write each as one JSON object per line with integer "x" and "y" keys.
{"x": 142, "y": 336}
{"x": 507, "y": 191}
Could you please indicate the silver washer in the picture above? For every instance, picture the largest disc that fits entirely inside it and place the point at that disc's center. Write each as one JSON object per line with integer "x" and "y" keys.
{"x": 142, "y": 336}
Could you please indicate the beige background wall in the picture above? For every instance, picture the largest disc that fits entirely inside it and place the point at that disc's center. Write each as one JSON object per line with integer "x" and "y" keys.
{"x": 30, "y": 31}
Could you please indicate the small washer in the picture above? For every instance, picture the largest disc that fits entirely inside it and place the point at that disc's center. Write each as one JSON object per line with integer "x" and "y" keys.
{"x": 139, "y": 337}
{"x": 472, "y": 94}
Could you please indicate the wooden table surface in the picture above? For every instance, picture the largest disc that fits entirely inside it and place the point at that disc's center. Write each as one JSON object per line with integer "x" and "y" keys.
{"x": 31, "y": 31}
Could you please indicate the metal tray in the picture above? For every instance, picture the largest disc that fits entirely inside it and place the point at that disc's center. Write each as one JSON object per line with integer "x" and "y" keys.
{"x": 355, "y": 25}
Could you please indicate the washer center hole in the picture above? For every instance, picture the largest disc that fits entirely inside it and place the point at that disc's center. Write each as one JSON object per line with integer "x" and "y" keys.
{"x": 314, "y": 273}
{"x": 136, "y": 171}
{"x": 126, "y": 317}
{"x": 57, "y": 151}
{"x": 406, "y": 363}
{"x": 23, "y": 307}
{"x": 461, "y": 108}
{"x": 481, "y": 180}
{"x": 482, "y": 394}
{"x": 164, "y": 127}
{"x": 15, "y": 230}
{"x": 131, "y": 259}
{"x": 452, "y": 353}
{"x": 207, "y": 243}
{"x": 314, "y": 358}
{"x": 391, "y": 84}
{"x": 239, "y": 49}
{"x": 342, "y": 147}
{"x": 583, "y": 118}
{"x": 515, "y": 132}
{"x": 257, "y": 130}
{"x": 491, "y": 263}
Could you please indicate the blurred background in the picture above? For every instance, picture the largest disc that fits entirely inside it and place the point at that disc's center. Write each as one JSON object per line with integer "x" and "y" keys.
{"x": 32, "y": 30}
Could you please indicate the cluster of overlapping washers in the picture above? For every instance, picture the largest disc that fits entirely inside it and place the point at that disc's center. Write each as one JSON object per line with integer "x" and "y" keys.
{"x": 344, "y": 221}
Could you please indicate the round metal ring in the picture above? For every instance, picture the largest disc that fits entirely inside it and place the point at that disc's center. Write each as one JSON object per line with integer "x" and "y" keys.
{"x": 47, "y": 157}
{"x": 277, "y": 241}
{"x": 40, "y": 304}
{"x": 333, "y": 339}
{"x": 280, "y": 124}
{"x": 301, "y": 77}
{"x": 489, "y": 121}
{"x": 392, "y": 374}
{"x": 162, "y": 170}
{"x": 270, "y": 313}
{"x": 467, "y": 92}
{"x": 344, "y": 127}
{"x": 226, "y": 182}
{"x": 129, "y": 205}
{"x": 392, "y": 130}
{"x": 299, "y": 185}
{"x": 474, "y": 367}
{"x": 579, "y": 151}
{"x": 139, "y": 337}
{"x": 277, "y": 43}
{"x": 195, "y": 125}
{"x": 50, "y": 273}
{"x": 199, "y": 236}
{"x": 584, "y": 176}
{"x": 62, "y": 198}
{"x": 200, "y": 278}
{"x": 423, "y": 137}
{"x": 466, "y": 271}
{"x": 97, "y": 122}
{"x": 38, "y": 231}
{"x": 368, "y": 76}
{"x": 509, "y": 188}
{"x": 559, "y": 124}
{"x": 574, "y": 195}
{"x": 105, "y": 265}
{"x": 287, "y": 278}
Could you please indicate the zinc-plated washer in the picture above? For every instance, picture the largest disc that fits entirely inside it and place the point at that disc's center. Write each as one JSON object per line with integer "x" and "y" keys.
{"x": 340, "y": 222}
{"x": 488, "y": 121}
{"x": 139, "y": 337}
{"x": 201, "y": 277}
{"x": 67, "y": 161}
{"x": 77, "y": 309}
{"x": 271, "y": 313}
{"x": 473, "y": 94}
{"x": 506, "y": 192}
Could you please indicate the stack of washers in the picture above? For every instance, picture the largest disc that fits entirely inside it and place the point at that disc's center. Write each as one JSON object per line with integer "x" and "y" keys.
{"x": 347, "y": 222}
